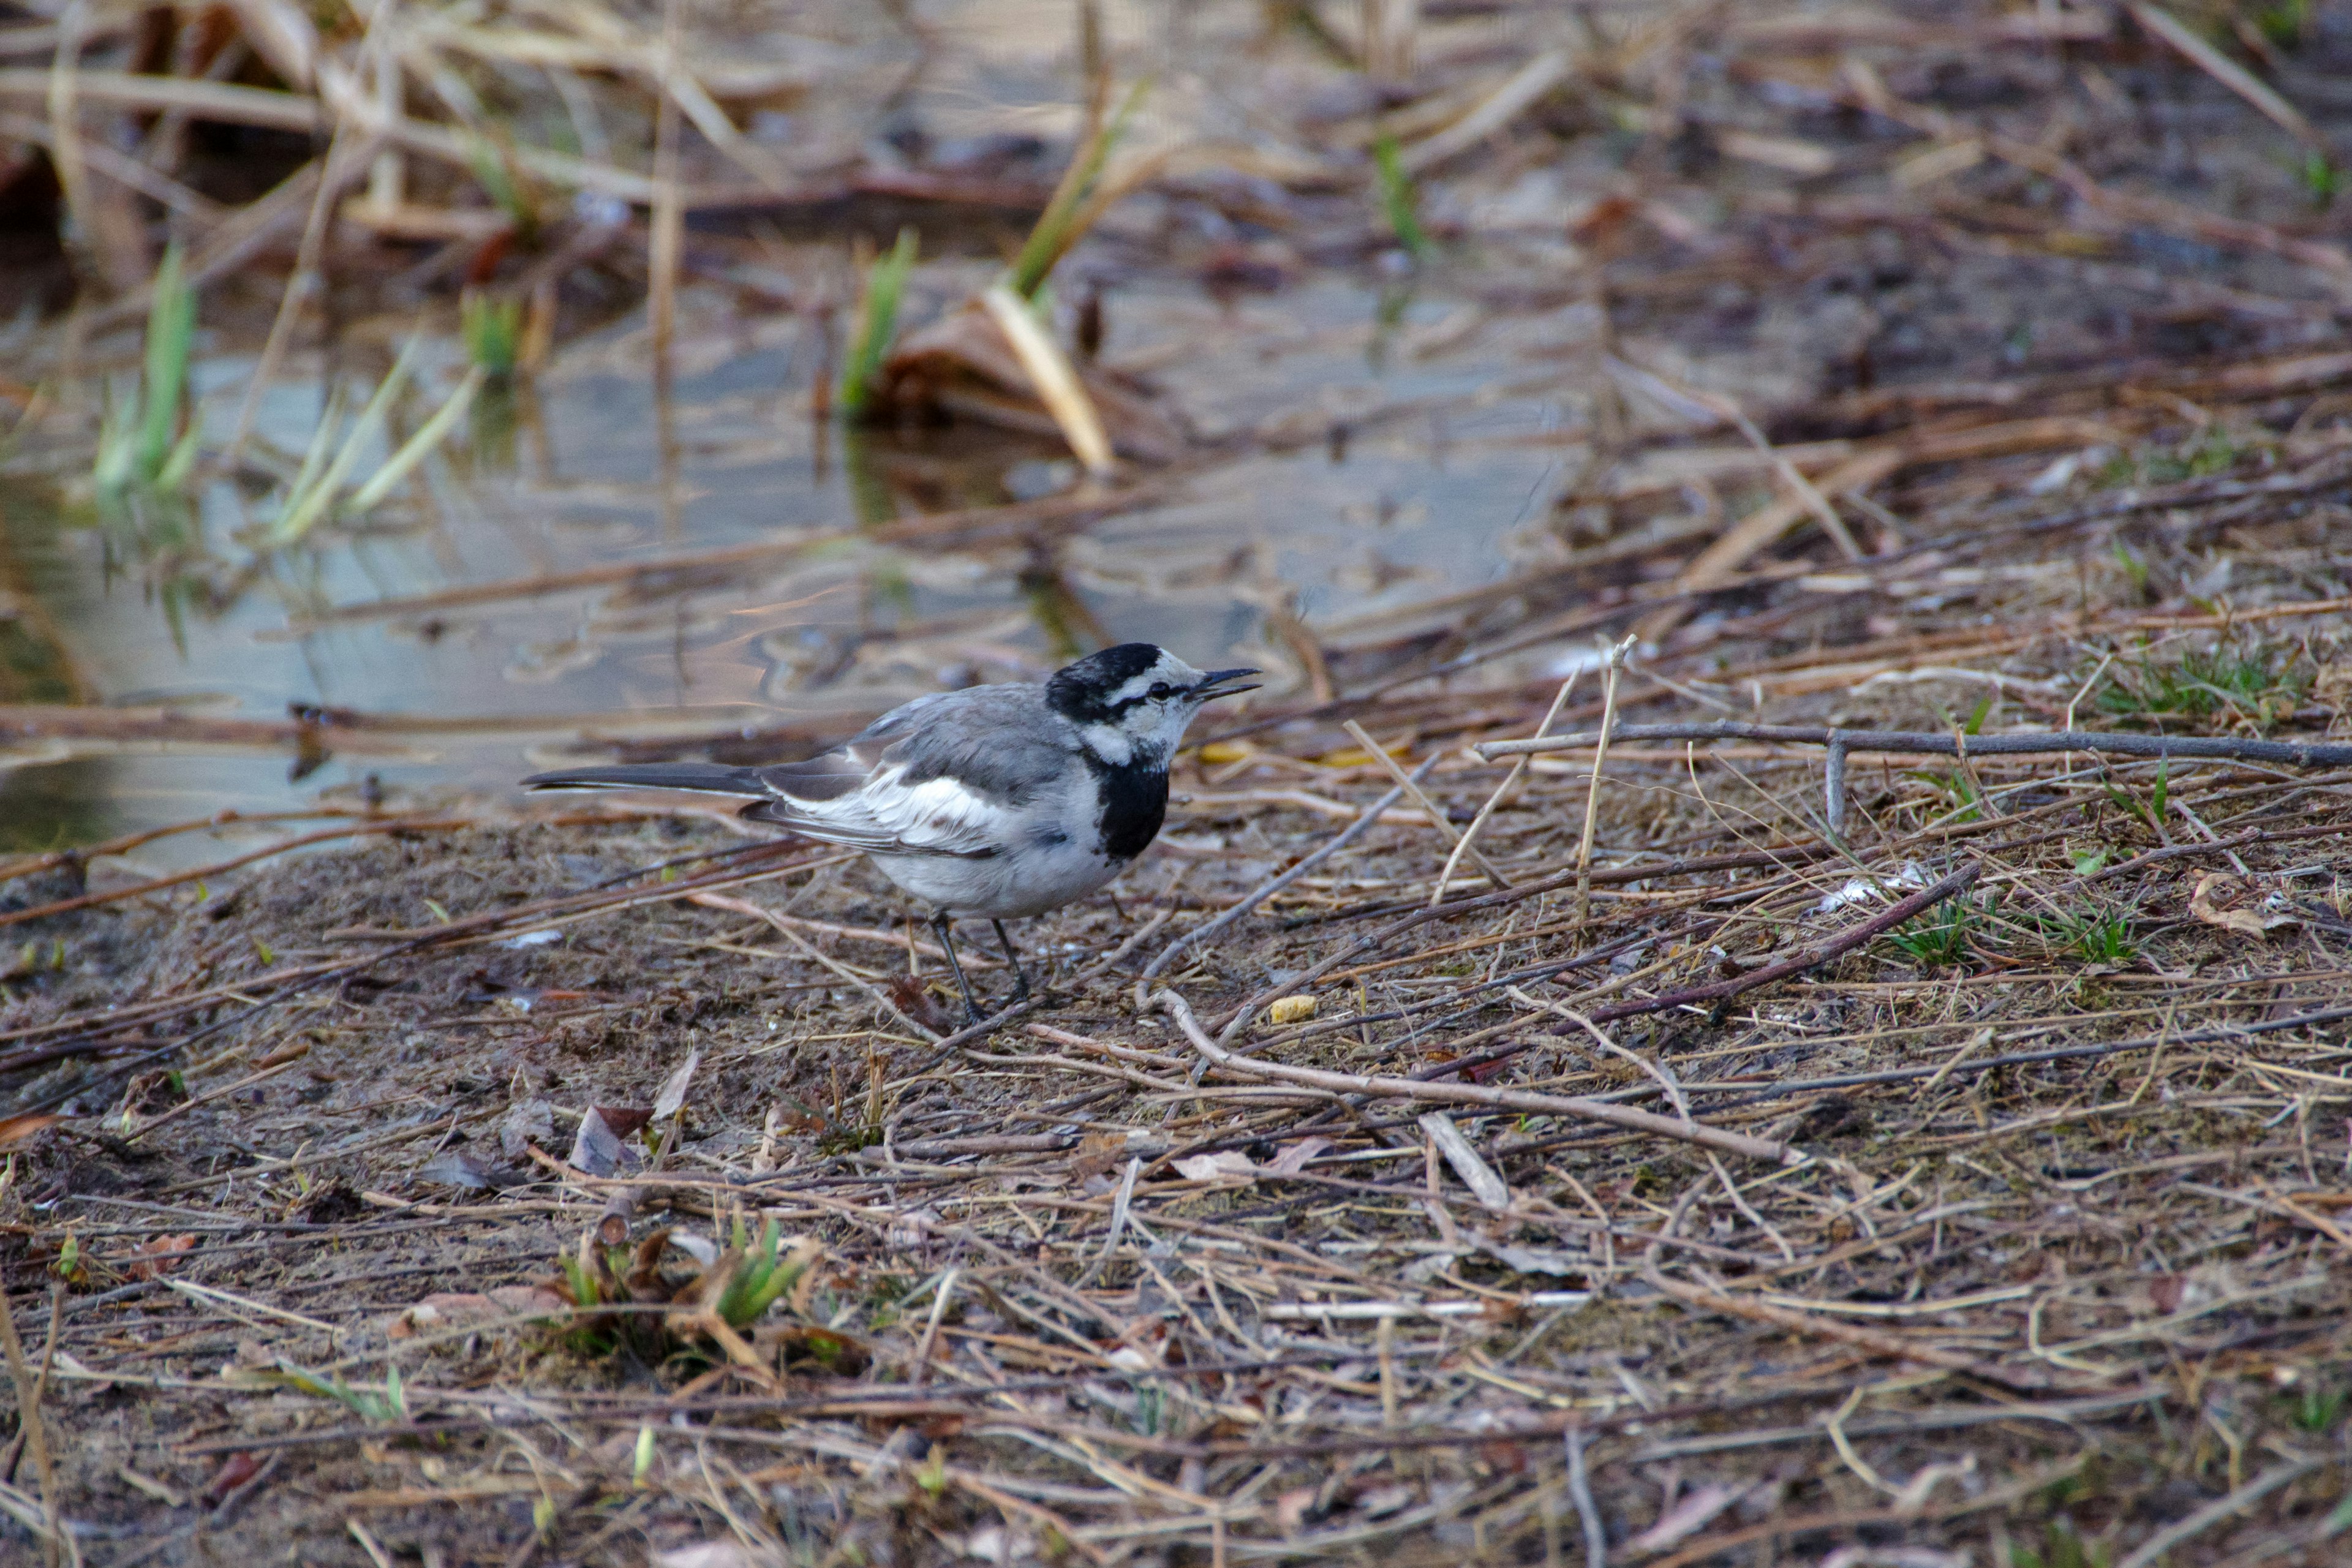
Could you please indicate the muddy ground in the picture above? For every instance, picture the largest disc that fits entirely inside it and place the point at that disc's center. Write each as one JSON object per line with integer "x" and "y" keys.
{"x": 408, "y": 1199}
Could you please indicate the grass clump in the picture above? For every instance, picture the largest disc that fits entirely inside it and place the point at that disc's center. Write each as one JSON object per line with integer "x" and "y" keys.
{"x": 1945, "y": 935}
{"x": 877, "y": 322}
{"x": 2257, "y": 686}
{"x": 143, "y": 453}
{"x": 622, "y": 1299}
{"x": 2094, "y": 935}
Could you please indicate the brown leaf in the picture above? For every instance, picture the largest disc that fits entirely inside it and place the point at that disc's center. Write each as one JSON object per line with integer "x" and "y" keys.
{"x": 2240, "y": 904}
{"x": 17, "y": 1130}
{"x": 915, "y": 999}
{"x": 961, "y": 365}
{"x": 236, "y": 1470}
{"x": 154, "y": 1259}
{"x": 457, "y": 1309}
{"x": 624, "y": 1120}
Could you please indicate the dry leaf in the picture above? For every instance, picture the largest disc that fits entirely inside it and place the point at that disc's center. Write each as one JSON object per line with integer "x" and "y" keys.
{"x": 672, "y": 1098}
{"x": 1697, "y": 1505}
{"x": 153, "y": 1259}
{"x": 1225, "y": 1165}
{"x": 18, "y": 1131}
{"x": 2240, "y": 904}
{"x": 1294, "y": 1156}
{"x": 457, "y": 1309}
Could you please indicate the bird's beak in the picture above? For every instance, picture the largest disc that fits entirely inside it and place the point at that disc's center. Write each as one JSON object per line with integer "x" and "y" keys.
{"x": 1218, "y": 683}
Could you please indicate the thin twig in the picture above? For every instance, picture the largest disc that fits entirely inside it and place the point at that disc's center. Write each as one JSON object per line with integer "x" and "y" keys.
{"x": 1265, "y": 891}
{"x": 1510, "y": 781}
{"x": 1616, "y": 663}
{"x": 1429, "y": 808}
{"x": 1437, "y": 1093}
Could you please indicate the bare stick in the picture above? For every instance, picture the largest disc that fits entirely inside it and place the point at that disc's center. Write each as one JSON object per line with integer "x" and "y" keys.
{"x": 1355, "y": 830}
{"x": 745, "y": 907}
{"x": 1430, "y": 808}
{"x": 1580, "y": 1489}
{"x": 2223, "y": 748}
{"x": 1887, "y": 920}
{"x": 1439, "y": 1093}
{"x": 29, "y": 1416}
{"x": 1593, "y": 791}
{"x": 1518, "y": 771}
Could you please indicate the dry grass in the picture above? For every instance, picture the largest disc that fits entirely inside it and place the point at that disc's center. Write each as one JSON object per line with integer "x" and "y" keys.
{"x": 1100, "y": 1302}
{"x": 2055, "y": 1271}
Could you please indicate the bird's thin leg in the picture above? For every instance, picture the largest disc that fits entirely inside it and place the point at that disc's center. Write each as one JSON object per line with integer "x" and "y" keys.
{"x": 939, "y": 925}
{"x": 1019, "y": 978}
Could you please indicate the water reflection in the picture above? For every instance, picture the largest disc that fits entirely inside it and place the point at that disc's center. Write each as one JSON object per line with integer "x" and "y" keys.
{"x": 506, "y": 600}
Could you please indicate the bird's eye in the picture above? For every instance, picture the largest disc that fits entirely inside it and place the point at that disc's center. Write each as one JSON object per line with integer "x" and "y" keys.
{"x": 1161, "y": 691}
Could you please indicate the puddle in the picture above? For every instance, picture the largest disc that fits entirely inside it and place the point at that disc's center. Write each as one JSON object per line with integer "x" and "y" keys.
{"x": 1350, "y": 455}
{"x": 584, "y": 567}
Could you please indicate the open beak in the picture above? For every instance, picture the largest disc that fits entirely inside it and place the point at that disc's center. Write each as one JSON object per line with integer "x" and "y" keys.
{"x": 1220, "y": 683}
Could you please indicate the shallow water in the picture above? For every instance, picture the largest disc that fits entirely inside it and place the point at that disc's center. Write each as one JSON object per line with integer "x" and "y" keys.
{"x": 1363, "y": 440}
{"x": 1417, "y": 496}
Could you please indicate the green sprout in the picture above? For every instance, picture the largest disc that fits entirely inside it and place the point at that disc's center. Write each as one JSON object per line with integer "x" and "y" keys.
{"x": 492, "y": 327}
{"x": 764, "y": 1277}
{"x": 2321, "y": 179}
{"x": 1399, "y": 201}
{"x": 144, "y": 454}
{"x": 877, "y": 322}
{"x": 1069, "y": 213}
{"x": 375, "y": 1409}
{"x": 2283, "y": 26}
{"x": 2319, "y": 1410}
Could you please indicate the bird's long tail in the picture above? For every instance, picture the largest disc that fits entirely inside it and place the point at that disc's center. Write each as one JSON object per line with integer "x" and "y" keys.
{"x": 700, "y": 778}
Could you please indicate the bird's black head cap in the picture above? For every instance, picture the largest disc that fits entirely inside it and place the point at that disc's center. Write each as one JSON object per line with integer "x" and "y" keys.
{"x": 1088, "y": 691}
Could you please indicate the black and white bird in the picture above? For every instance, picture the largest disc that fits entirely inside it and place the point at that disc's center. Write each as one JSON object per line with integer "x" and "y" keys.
{"x": 995, "y": 801}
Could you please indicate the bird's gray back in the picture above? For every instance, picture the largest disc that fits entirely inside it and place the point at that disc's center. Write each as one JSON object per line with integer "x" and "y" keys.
{"x": 1001, "y": 743}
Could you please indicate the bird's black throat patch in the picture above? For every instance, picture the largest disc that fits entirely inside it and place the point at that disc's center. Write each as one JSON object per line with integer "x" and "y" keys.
{"x": 1134, "y": 805}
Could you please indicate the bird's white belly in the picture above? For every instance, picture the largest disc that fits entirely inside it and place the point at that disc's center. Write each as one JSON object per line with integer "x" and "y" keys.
{"x": 1006, "y": 886}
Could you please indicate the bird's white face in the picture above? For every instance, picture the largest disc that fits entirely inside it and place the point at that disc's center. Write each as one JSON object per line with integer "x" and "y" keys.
{"x": 1126, "y": 718}
{"x": 1148, "y": 711}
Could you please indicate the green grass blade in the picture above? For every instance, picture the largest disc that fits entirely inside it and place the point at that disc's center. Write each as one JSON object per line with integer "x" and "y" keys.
{"x": 171, "y": 335}
{"x": 117, "y": 447}
{"x": 414, "y": 450}
{"x": 303, "y": 512}
{"x": 1054, "y": 234}
{"x": 177, "y": 468}
{"x": 877, "y": 322}
{"x": 1398, "y": 198}
{"x": 314, "y": 458}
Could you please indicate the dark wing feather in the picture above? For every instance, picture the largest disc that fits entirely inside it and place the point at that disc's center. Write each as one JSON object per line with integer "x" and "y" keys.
{"x": 698, "y": 778}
